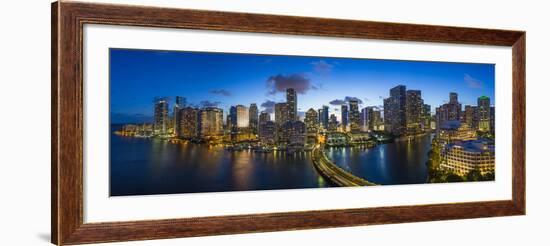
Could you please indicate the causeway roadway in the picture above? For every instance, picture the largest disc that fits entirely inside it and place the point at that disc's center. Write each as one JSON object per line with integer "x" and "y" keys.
{"x": 333, "y": 173}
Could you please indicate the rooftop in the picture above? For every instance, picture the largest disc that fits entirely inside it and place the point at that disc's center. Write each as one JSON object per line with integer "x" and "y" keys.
{"x": 479, "y": 145}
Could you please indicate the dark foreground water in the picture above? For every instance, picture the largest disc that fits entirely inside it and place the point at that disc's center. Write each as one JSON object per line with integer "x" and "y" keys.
{"x": 152, "y": 166}
{"x": 400, "y": 162}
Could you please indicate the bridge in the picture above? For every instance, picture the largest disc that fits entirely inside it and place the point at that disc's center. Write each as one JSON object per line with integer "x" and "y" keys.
{"x": 333, "y": 173}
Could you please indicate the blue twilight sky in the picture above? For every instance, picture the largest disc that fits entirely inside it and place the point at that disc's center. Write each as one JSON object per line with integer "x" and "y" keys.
{"x": 225, "y": 79}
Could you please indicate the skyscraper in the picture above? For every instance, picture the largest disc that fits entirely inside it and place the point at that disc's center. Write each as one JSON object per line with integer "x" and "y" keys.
{"x": 253, "y": 118}
{"x": 228, "y": 123}
{"x": 470, "y": 116}
{"x": 323, "y": 117}
{"x": 455, "y": 107}
{"x": 376, "y": 120}
{"x": 267, "y": 132}
{"x": 484, "y": 113}
{"x": 345, "y": 115}
{"x": 414, "y": 104}
{"x": 180, "y": 103}
{"x": 368, "y": 115}
{"x": 292, "y": 104}
{"x": 450, "y": 111}
{"x": 426, "y": 117}
{"x": 161, "y": 116}
{"x": 312, "y": 121}
{"x": 264, "y": 118}
{"x": 296, "y": 132}
{"x": 395, "y": 111}
{"x": 281, "y": 113}
{"x": 333, "y": 123}
{"x": 211, "y": 121}
{"x": 354, "y": 115}
{"x": 364, "y": 119}
{"x": 232, "y": 118}
{"x": 189, "y": 123}
{"x": 243, "y": 118}
{"x": 453, "y": 97}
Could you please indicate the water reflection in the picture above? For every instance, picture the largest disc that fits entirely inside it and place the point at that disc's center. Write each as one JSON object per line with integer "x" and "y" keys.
{"x": 152, "y": 166}
{"x": 401, "y": 162}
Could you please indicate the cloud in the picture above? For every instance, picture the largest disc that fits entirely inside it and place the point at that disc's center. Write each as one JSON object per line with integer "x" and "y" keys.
{"x": 346, "y": 100}
{"x": 337, "y": 102}
{"x": 280, "y": 82}
{"x": 207, "y": 103}
{"x": 269, "y": 106}
{"x": 322, "y": 67}
{"x": 221, "y": 92}
{"x": 472, "y": 82}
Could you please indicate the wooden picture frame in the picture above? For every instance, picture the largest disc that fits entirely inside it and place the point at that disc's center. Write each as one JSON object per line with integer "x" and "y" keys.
{"x": 68, "y": 20}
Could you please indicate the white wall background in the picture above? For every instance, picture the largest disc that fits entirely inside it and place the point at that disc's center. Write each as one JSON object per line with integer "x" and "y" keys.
{"x": 25, "y": 121}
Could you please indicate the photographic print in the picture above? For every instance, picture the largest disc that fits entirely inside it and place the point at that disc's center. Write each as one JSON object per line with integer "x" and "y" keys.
{"x": 191, "y": 122}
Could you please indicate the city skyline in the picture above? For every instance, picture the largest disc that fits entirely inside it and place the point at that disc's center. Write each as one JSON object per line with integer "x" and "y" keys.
{"x": 234, "y": 126}
{"x": 322, "y": 81}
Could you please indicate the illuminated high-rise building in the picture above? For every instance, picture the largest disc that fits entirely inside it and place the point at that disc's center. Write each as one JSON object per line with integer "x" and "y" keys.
{"x": 292, "y": 104}
{"x": 267, "y": 132}
{"x": 395, "y": 111}
{"x": 354, "y": 115}
{"x": 281, "y": 117}
{"x": 243, "y": 118}
{"x": 450, "y": 111}
{"x": 426, "y": 117}
{"x": 228, "y": 125}
{"x": 454, "y": 107}
{"x": 296, "y": 132}
{"x": 323, "y": 116}
{"x": 232, "y": 119}
{"x": 161, "y": 116}
{"x": 264, "y": 117}
{"x": 484, "y": 113}
{"x": 180, "y": 103}
{"x": 266, "y": 128}
{"x": 311, "y": 121}
{"x": 345, "y": 115}
{"x": 281, "y": 113}
{"x": 189, "y": 123}
{"x": 211, "y": 121}
{"x": 253, "y": 118}
{"x": 453, "y": 98}
{"x": 469, "y": 117}
{"x": 413, "y": 109}
{"x": 333, "y": 123}
{"x": 364, "y": 119}
{"x": 368, "y": 119}
{"x": 375, "y": 120}
{"x": 320, "y": 115}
